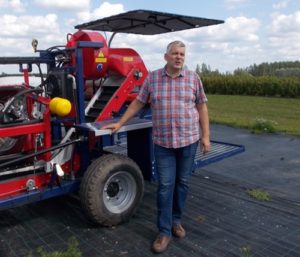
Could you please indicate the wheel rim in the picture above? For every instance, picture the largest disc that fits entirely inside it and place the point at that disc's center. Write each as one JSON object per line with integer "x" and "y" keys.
{"x": 119, "y": 192}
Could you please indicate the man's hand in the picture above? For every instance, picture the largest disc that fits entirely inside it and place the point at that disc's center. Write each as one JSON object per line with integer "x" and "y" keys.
{"x": 132, "y": 109}
{"x": 205, "y": 145}
{"x": 113, "y": 126}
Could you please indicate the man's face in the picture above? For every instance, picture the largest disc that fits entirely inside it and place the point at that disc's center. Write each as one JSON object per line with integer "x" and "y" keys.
{"x": 175, "y": 57}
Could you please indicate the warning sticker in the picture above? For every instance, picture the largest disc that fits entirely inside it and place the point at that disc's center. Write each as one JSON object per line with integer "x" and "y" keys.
{"x": 127, "y": 59}
{"x": 101, "y": 57}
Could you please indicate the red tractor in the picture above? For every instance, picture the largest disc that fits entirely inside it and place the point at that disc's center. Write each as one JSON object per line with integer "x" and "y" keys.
{"x": 51, "y": 141}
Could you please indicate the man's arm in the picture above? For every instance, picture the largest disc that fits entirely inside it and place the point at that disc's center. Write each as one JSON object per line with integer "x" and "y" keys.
{"x": 204, "y": 125}
{"x": 132, "y": 109}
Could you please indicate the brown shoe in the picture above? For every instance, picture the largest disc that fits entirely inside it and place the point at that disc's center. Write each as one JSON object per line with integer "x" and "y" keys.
{"x": 161, "y": 243}
{"x": 178, "y": 230}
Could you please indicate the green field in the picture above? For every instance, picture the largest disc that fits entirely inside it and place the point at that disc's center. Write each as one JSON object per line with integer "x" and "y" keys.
{"x": 246, "y": 111}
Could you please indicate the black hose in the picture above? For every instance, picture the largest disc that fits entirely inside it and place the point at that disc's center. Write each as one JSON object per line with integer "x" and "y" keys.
{"x": 39, "y": 153}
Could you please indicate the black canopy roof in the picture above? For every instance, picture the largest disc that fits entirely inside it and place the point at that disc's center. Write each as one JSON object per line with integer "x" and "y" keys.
{"x": 146, "y": 22}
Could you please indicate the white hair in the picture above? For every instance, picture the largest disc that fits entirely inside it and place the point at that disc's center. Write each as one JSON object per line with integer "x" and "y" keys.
{"x": 175, "y": 43}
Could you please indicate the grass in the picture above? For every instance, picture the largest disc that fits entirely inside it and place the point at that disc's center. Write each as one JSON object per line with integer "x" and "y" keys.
{"x": 263, "y": 126}
{"x": 259, "y": 114}
{"x": 246, "y": 251}
{"x": 259, "y": 194}
{"x": 72, "y": 251}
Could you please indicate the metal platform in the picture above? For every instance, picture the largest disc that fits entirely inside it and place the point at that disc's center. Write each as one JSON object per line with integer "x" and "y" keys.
{"x": 144, "y": 153}
{"x": 218, "y": 152}
{"x": 132, "y": 124}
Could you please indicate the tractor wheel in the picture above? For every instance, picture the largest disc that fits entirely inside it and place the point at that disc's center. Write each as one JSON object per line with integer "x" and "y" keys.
{"x": 111, "y": 189}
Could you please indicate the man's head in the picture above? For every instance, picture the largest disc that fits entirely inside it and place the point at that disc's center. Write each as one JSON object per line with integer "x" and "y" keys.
{"x": 175, "y": 56}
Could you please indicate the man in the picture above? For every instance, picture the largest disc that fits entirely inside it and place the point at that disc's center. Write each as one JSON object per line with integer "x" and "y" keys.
{"x": 179, "y": 115}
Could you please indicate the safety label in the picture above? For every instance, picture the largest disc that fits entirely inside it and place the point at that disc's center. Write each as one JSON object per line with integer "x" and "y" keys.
{"x": 101, "y": 57}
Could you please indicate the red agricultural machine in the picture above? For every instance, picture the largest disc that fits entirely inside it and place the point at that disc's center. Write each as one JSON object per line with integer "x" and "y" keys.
{"x": 51, "y": 141}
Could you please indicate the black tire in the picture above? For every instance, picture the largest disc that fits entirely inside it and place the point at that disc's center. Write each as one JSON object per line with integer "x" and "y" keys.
{"x": 111, "y": 189}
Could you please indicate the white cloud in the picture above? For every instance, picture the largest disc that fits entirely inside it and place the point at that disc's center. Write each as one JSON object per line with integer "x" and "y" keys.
{"x": 17, "y": 32}
{"x": 16, "y": 6}
{"x": 235, "y": 30}
{"x": 240, "y": 29}
{"x": 78, "y": 5}
{"x": 26, "y": 26}
{"x": 104, "y": 10}
{"x": 285, "y": 24}
{"x": 236, "y": 43}
{"x": 284, "y": 35}
{"x": 233, "y": 4}
{"x": 281, "y": 4}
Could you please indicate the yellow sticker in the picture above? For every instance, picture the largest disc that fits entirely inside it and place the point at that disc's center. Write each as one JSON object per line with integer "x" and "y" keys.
{"x": 127, "y": 59}
{"x": 100, "y": 57}
{"x": 100, "y": 54}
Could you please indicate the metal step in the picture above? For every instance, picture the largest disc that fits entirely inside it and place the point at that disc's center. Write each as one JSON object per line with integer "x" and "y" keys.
{"x": 101, "y": 102}
{"x": 89, "y": 118}
{"x": 109, "y": 89}
{"x": 104, "y": 97}
{"x": 94, "y": 112}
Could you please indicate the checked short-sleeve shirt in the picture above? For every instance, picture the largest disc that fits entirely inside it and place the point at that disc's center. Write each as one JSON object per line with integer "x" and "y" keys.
{"x": 173, "y": 102}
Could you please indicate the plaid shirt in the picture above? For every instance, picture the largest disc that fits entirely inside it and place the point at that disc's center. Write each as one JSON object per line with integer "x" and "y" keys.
{"x": 173, "y": 102}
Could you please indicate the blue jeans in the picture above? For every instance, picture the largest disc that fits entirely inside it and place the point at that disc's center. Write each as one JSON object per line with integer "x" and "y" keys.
{"x": 174, "y": 167}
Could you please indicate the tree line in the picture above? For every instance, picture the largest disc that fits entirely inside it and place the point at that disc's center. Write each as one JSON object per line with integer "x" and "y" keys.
{"x": 280, "y": 79}
{"x": 278, "y": 69}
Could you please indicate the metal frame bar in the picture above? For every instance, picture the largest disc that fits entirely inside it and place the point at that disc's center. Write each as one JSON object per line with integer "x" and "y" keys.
{"x": 37, "y": 195}
{"x": 79, "y": 75}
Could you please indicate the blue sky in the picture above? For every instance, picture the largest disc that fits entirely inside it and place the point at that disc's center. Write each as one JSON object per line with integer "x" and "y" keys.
{"x": 254, "y": 31}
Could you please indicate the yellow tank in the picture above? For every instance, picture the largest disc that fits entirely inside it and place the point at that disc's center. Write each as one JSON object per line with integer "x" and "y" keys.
{"x": 60, "y": 106}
